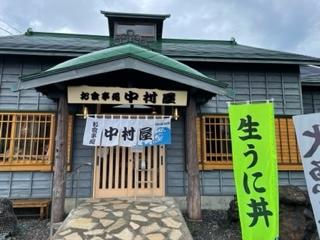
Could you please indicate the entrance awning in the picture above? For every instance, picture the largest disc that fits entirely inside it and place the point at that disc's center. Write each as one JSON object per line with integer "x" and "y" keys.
{"x": 127, "y": 56}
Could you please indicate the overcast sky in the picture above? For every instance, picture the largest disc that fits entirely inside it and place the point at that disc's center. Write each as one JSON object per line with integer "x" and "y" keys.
{"x": 286, "y": 25}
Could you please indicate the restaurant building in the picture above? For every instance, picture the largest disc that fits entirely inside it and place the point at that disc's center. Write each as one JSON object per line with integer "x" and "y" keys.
{"x": 50, "y": 82}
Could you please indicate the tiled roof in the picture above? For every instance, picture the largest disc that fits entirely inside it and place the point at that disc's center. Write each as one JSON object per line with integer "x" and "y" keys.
{"x": 39, "y": 43}
{"x": 122, "y": 51}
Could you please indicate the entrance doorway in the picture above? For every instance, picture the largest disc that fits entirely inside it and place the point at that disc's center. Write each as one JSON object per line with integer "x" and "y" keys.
{"x": 127, "y": 172}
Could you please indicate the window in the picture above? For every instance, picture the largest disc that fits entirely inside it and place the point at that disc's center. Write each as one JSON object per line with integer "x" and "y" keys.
{"x": 142, "y": 30}
{"x": 214, "y": 143}
{"x": 27, "y": 141}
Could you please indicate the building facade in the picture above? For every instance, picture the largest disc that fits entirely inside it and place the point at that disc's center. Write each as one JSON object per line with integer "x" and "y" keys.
{"x": 37, "y": 68}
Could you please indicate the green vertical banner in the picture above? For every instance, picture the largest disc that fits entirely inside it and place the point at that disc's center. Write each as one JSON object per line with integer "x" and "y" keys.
{"x": 255, "y": 169}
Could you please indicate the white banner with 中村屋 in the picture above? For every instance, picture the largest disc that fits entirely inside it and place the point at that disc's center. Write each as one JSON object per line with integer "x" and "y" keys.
{"x": 110, "y": 133}
{"x": 308, "y": 135}
{"x": 127, "y": 132}
{"x": 146, "y": 132}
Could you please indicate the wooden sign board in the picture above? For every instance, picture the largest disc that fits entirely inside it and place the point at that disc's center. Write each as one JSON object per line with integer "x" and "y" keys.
{"x": 117, "y": 95}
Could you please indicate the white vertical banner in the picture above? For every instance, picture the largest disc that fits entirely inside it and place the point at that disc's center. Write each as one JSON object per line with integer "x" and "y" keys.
{"x": 128, "y": 132}
{"x": 162, "y": 131}
{"x": 111, "y": 133}
{"x": 92, "y": 132}
{"x": 145, "y": 132}
{"x": 308, "y": 135}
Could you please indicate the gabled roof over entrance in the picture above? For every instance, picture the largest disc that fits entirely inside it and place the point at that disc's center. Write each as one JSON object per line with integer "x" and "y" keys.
{"x": 128, "y": 56}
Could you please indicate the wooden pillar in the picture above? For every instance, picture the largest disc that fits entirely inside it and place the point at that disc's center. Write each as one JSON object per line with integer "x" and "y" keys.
{"x": 60, "y": 160}
{"x": 193, "y": 196}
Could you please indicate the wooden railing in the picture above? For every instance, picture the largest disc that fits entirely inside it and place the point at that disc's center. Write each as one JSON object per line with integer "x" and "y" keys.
{"x": 26, "y": 141}
{"x": 214, "y": 143}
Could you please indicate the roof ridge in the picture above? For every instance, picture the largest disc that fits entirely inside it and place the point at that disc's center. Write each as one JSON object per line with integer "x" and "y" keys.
{"x": 30, "y": 32}
{"x": 232, "y": 42}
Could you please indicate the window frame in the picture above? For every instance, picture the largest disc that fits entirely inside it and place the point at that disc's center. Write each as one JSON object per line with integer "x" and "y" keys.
{"x": 31, "y": 162}
{"x": 13, "y": 158}
{"x": 286, "y": 143}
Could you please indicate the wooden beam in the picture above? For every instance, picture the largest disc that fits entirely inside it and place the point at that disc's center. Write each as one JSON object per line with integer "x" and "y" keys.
{"x": 193, "y": 195}
{"x": 59, "y": 181}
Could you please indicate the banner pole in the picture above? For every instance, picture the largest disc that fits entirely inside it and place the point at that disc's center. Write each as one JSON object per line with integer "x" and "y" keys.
{"x": 250, "y": 101}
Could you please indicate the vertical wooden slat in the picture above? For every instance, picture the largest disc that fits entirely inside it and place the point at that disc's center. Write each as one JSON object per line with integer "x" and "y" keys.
{"x": 69, "y": 142}
{"x": 104, "y": 165}
{"x": 25, "y": 140}
{"x": 136, "y": 173}
{"x": 278, "y": 140}
{"x": 143, "y": 173}
{"x": 116, "y": 169}
{"x": 204, "y": 140}
{"x": 52, "y": 131}
{"x": 7, "y": 140}
{"x": 130, "y": 169}
{"x": 123, "y": 166}
{"x": 149, "y": 185}
{"x": 2, "y": 141}
{"x": 95, "y": 175}
{"x": 226, "y": 127}
{"x": 43, "y": 152}
{"x": 13, "y": 134}
{"x": 155, "y": 166}
{"x": 110, "y": 173}
{"x": 215, "y": 127}
{"x": 18, "y": 136}
{"x": 38, "y": 137}
{"x": 199, "y": 137}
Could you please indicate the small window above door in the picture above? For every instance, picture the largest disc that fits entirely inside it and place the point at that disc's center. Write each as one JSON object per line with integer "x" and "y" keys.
{"x": 140, "y": 29}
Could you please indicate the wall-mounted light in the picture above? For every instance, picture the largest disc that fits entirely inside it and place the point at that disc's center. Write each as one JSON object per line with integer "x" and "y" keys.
{"x": 154, "y": 112}
{"x": 85, "y": 112}
{"x": 175, "y": 114}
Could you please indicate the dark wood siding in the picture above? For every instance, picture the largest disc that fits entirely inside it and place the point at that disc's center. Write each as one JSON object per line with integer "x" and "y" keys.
{"x": 248, "y": 83}
{"x": 80, "y": 155}
{"x": 252, "y": 82}
{"x": 175, "y": 161}
{"x": 37, "y": 184}
{"x": 311, "y": 99}
{"x": 11, "y": 68}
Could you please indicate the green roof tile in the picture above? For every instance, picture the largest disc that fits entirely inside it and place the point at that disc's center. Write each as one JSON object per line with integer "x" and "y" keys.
{"x": 40, "y": 43}
{"x": 122, "y": 51}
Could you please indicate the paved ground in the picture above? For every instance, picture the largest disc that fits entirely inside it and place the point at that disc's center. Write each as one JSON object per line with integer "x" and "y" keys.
{"x": 126, "y": 219}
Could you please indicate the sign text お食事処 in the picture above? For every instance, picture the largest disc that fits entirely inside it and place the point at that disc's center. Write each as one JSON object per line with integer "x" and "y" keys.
{"x": 117, "y": 95}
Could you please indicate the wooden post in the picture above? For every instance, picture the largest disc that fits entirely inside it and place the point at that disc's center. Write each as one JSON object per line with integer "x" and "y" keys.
{"x": 193, "y": 196}
{"x": 60, "y": 160}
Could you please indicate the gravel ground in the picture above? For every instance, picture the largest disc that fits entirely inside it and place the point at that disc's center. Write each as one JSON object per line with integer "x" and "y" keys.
{"x": 214, "y": 226}
{"x": 32, "y": 229}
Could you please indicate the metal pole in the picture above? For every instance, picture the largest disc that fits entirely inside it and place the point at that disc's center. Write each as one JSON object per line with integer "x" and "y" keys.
{"x": 51, "y": 210}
